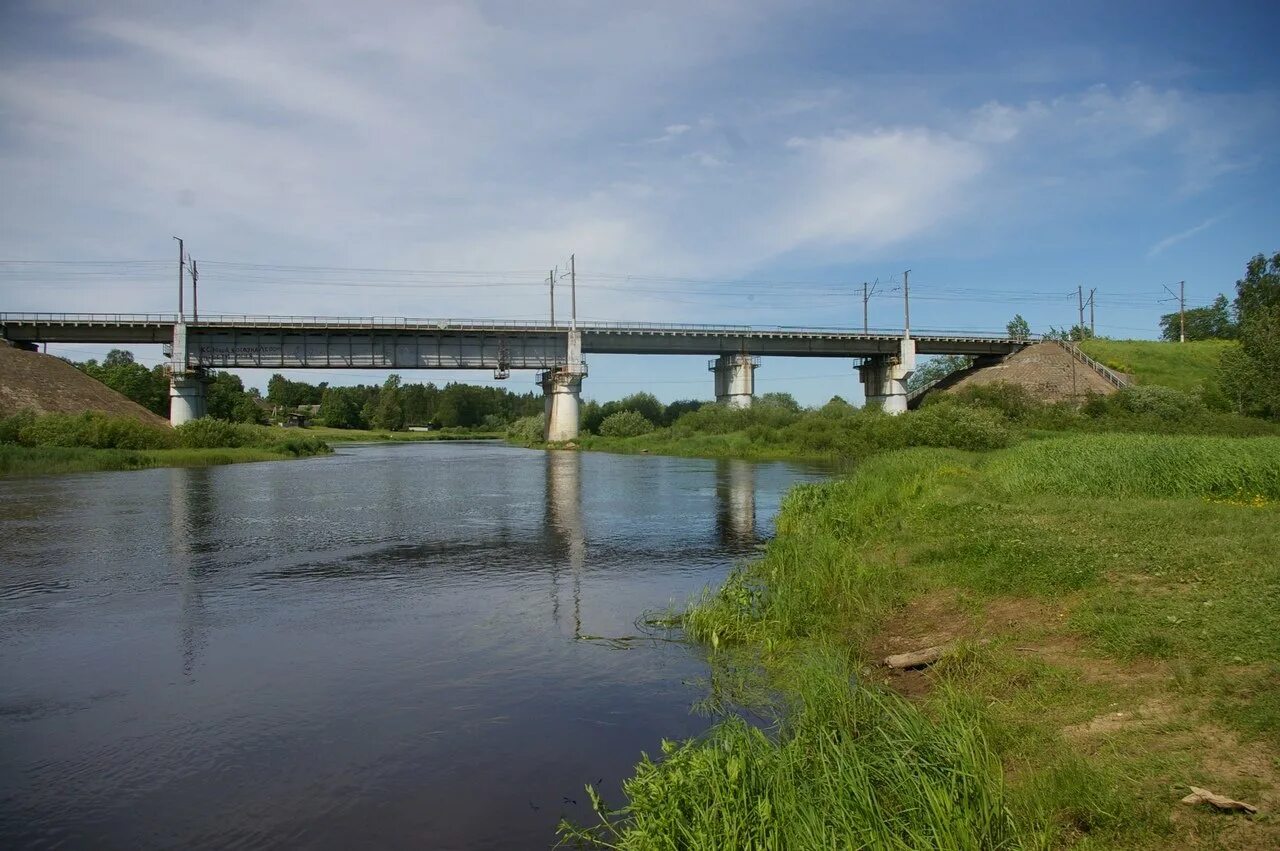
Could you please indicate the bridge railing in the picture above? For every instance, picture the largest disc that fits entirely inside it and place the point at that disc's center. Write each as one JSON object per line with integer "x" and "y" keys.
{"x": 249, "y": 320}
{"x": 92, "y": 318}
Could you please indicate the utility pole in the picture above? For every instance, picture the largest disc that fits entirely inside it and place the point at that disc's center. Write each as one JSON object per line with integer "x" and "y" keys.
{"x": 1093, "y": 330}
{"x": 195, "y": 292}
{"x": 866, "y": 296}
{"x": 1080, "y": 298}
{"x": 1182, "y": 311}
{"x": 573, "y": 293}
{"x": 182, "y": 260}
{"x": 551, "y": 276}
{"x": 1181, "y": 296}
{"x": 906, "y": 303}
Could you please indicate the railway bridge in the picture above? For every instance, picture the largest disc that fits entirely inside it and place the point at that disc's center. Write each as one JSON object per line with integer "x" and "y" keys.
{"x": 558, "y": 352}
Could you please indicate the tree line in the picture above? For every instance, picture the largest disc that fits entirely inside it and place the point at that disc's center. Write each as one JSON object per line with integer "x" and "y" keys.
{"x": 392, "y": 405}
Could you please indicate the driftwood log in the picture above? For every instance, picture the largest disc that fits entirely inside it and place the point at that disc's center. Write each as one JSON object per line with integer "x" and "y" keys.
{"x": 916, "y": 658}
{"x": 1204, "y": 796}
{"x": 921, "y": 658}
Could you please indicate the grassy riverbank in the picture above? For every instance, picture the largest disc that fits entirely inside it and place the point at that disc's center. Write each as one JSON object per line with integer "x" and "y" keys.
{"x": 980, "y": 418}
{"x": 64, "y": 443}
{"x": 1111, "y": 601}
{"x": 67, "y": 443}
{"x": 46, "y": 461}
{"x": 360, "y": 435}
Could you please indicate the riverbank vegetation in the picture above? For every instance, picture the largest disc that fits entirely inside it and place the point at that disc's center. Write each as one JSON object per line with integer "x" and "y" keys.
{"x": 61, "y": 443}
{"x": 1108, "y": 604}
{"x": 984, "y": 417}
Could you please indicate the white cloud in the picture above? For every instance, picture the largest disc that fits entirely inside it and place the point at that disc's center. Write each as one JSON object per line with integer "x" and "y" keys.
{"x": 469, "y": 135}
{"x": 871, "y": 189}
{"x": 1172, "y": 240}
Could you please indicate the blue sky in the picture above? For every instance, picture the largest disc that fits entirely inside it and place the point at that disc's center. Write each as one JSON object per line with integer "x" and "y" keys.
{"x": 744, "y": 162}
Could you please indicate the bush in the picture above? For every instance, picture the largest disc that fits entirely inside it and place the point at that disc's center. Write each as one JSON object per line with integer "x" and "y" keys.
{"x": 528, "y": 429}
{"x": 208, "y": 433}
{"x": 625, "y": 424}
{"x": 90, "y": 429}
{"x": 1012, "y": 400}
{"x": 1163, "y": 402}
{"x": 11, "y": 427}
{"x": 956, "y": 427}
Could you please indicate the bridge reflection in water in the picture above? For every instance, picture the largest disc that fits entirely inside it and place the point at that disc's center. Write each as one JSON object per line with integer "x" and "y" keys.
{"x": 564, "y": 520}
{"x": 197, "y": 545}
{"x": 364, "y": 648}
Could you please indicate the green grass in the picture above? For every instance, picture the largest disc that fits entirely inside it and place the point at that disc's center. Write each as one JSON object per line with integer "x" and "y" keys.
{"x": 1146, "y": 575}
{"x": 980, "y": 418}
{"x": 51, "y": 460}
{"x": 60, "y": 443}
{"x": 1182, "y": 366}
{"x": 357, "y": 435}
{"x": 845, "y": 768}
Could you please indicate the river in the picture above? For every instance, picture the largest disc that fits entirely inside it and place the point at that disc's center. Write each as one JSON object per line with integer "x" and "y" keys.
{"x": 390, "y": 647}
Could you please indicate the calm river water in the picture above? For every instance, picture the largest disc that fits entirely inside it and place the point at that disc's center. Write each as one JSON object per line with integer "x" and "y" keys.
{"x": 374, "y": 649}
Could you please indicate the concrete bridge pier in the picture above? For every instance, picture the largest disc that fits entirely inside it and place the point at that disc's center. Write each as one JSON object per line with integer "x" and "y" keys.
{"x": 186, "y": 396}
{"x": 562, "y": 397}
{"x": 186, "y": 384}
{"x": 735, "y": 379}
{"x": 884, "y": 378}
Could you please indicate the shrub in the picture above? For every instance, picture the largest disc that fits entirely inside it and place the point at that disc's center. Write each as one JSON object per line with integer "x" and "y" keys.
{"x": 1012, "y": 400}
{"x": 625, "y": 424}
{"x": 11, "y": 426}
{"x": 208, "y": 433}
{"x": 956, "y": 427}
{"x": 1163, "y": 402}
{"x": 528, "y": 429}
{"x": 89, "y": 429}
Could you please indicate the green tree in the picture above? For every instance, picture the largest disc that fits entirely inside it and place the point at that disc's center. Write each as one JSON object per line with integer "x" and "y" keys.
{"x": 679, "y": 408}
{"x": 292, "y": 394}
{"x": 1258, "y": 292}
{"x": 938, "y": 368}
{"x": 1203, "y": 323}
{"x": 644, "y": 404}
{"x": 389, "y": 413}
{"x": 1250, "y": 377}
{"x": 629, "y": 423}
{"x": 119, "y": 371}
{"x": 1018, "y": 328}
{"x": 340, "y": 407}
{"x": 783, "y": 401}
{"x": 226, "y": 399}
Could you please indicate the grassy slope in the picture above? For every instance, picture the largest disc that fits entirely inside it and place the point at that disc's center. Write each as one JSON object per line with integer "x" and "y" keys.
{"x": 1183, "y": 366}
{"x": 1128, "y": 589}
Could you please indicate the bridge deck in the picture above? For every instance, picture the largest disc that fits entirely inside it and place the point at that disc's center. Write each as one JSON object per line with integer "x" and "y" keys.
{"x": 399, "y": 343}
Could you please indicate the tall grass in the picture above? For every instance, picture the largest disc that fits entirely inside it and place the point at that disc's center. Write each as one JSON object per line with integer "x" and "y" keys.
{"x": 845, "y": 767}
{"x": 55, "y": 443}
{"x": 1133, "y": 465}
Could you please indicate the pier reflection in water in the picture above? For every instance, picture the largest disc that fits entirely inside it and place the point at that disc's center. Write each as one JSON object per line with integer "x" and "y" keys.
{"x": 736, "y": 504}
{"x": 373, "y": 649}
